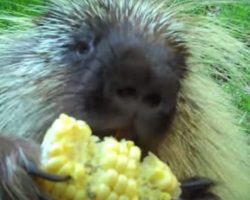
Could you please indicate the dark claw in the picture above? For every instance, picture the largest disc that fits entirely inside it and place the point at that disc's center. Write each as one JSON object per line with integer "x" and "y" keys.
{"x": 197, "y": 188}
{"x": 197, "y": 183}
{"x": 34, "y": 171}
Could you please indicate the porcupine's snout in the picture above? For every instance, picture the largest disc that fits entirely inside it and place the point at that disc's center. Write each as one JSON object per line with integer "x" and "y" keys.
{"x": 138, "y": 82}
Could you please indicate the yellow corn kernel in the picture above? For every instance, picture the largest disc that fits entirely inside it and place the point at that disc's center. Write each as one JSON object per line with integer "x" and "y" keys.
{"x": 110, "y": 160}
{"x": 79, "y": 171}
{"x": 101, "y": 169}
{"x": 65, "y": 170}
{"x": 113, "y": 196}
{"x": 111, "y": 145}
{"x": 121, "y": 163}
{"x": 70, "y": 192}
{"x": 123, "y": 149}
{"x": 57, "y": 191}
{"x": 49, "y": 186}
{"x": 102, "y": 191}
{"x": 131, "y": 167}
{"x": 123, "y": 197}
{"x": 80, "y": 195}
{"x": 135, "y": 153}
{"x": 54, "y": 164}
{"x": 121, "y": 184}
{"x": 131, "y": 189}
{"x": 55, "y": 150}
{"x": 160, "y": 179}
{"x": 173, "y": 187}
{"x": 110, "y": 177}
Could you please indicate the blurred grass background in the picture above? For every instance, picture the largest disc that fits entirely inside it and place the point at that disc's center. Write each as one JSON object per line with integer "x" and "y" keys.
{"x": 237, "y": 15}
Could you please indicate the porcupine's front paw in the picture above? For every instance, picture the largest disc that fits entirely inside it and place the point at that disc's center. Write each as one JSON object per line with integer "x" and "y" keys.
{"x": 197, "y": 188}
{"x": 19, "y": 160}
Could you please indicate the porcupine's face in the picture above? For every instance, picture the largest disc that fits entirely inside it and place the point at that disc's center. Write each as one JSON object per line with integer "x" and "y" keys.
{"x": 125, "y": 79}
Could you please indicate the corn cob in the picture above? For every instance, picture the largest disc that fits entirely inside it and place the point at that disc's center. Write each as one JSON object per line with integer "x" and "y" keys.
{"x": 101, "y": 169}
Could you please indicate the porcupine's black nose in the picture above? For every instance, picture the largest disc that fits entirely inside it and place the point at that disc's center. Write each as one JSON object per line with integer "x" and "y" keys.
{"x": 133, "y": 84}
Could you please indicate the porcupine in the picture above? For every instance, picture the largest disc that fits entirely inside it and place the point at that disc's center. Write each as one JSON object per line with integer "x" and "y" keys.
{"x": 141, "y": 67}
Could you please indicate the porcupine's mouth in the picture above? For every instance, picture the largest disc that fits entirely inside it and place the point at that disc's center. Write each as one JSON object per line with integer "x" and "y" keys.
{"x": 119, "y": 134}
{"x": 127, "y": 134}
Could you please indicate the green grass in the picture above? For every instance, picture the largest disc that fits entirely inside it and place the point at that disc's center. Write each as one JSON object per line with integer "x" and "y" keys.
{"x": 17, "y": 8}
{"x": 237, "y": 15}
{"x": 18, "y": 5}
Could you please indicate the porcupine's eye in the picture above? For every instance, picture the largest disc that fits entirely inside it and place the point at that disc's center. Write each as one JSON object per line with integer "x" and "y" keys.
{"x": 83, "y": 47}
{"x": 77, "y": 51}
